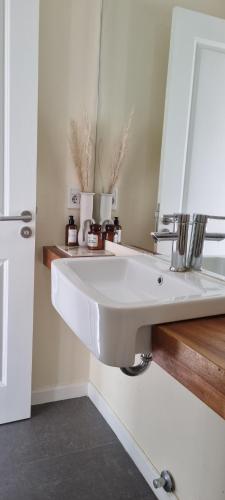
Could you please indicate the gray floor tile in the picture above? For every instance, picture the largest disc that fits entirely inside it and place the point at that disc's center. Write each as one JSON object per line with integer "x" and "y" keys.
{"x": 54, "y": 429}
{"x": 18, "y": 443}
{"x": 71, "y": 425}
{"x": 65, "y": 452}
{"x": 98, "y": 474}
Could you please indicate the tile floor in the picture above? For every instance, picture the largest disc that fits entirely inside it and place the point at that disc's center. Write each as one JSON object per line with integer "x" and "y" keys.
{"x": 66, "y": 451}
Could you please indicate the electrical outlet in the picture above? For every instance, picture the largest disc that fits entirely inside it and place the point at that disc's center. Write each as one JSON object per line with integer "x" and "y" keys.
{"x": 115, "y": 199}
{"x": 73, "y": 198}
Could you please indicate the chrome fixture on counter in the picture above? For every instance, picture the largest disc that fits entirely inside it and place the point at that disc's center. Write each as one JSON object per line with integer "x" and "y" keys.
{"x": 179, "y": 237}
{"x": 198, "y": 237}
{"x": 180, "y": 261}
{"x": 156, "y": 228}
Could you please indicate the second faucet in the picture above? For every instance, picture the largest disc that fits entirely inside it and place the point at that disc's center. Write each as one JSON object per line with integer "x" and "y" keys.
{"x": 181, "y": 258}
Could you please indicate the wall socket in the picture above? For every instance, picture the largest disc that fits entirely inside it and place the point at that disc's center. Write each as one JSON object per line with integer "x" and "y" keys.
{"x": 73, "y": 197}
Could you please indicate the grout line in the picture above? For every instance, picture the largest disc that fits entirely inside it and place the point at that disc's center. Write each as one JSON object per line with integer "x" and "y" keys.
{"x": 74, "y": 452}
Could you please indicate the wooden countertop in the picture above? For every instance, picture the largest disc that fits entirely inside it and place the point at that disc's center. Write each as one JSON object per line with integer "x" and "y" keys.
{"x": 51, "y": 253}
{"x": 193, "y": 351}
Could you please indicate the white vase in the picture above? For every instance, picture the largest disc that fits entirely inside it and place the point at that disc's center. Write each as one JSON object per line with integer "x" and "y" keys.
{"x": 86, "y": 217}
{"x": 106, "y": 209}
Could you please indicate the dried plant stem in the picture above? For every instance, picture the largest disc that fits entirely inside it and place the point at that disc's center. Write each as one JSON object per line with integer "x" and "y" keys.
{"x": 82, "y": 151}
{"x": 119, "y": 155}
{"x": 99, "y": 162}
{"x": 75, "y": 151}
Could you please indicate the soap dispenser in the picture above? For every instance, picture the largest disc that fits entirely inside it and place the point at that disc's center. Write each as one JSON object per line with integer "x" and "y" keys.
{"x": 71, "y": 233}
{"x": 117, "y": 231}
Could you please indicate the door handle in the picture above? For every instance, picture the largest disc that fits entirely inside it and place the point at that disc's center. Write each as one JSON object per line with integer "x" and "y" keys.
{"x": 25, "y": 216}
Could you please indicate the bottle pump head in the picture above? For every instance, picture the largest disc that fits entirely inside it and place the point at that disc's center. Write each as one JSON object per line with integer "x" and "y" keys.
{"x": 71, "y": 220}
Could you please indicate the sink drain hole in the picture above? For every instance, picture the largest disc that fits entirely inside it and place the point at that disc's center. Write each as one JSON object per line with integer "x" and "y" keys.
{"x": 160, "y": 280}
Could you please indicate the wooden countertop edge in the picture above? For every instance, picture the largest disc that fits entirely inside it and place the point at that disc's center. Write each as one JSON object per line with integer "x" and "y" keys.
{"x": 189, "y": 333}
{"x": 51, "y": 253}
{"x": 190, "y": 367}
{"x": 192, "y": 352}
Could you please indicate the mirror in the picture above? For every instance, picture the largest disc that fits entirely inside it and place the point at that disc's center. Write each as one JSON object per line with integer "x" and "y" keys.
{"x": 1, "y": 107}
{"x": 133, "y": 64}
{"x": 135, "y": 40}
{"x": 192, "y": 175}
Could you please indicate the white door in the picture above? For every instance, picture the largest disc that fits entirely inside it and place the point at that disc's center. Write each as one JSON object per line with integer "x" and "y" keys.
{"x": 192, "y": 171}
{"x": 18, "y": 132}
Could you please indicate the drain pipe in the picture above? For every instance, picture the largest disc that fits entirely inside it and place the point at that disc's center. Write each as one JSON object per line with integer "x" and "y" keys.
{"x": 133, "y": 371}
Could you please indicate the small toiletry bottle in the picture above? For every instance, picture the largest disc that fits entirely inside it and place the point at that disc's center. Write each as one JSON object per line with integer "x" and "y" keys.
{"x": 109, "y": 232}
{"x": 95, "y": 240}
{"x": 117, "y": 231}
{"x": 71, "y": 233}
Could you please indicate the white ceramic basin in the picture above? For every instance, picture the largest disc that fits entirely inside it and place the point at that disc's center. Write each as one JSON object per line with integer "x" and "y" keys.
{"x": 111, "y": 302}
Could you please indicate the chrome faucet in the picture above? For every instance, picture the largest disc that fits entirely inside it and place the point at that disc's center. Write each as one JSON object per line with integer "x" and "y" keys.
{"x": 198, "y": 237}
{"x": 179, "y": 237}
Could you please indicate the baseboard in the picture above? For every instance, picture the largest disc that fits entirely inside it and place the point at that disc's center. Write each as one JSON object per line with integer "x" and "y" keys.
{"x": 58, "y": 393}
{"x": 134, "y": 451}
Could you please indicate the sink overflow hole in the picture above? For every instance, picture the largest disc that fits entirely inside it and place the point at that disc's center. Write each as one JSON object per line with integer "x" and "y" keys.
{"x": 160, "y": 280}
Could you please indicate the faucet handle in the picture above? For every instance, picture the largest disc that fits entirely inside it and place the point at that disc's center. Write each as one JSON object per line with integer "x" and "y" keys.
{"x": 203, "y": 218}
{"x": 168, "y": 219}
{"x": 216, "y": 217}
{"x": 178, "y": 217}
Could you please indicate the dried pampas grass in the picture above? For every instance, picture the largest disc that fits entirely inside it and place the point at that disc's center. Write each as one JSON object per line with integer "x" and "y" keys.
{"x": 119, "y": 155}
{"x": 82, "y": 151}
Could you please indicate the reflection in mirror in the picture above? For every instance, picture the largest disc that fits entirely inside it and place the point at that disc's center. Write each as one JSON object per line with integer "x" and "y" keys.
{"x": 135, "y": 40}
{"x": 133, "y": 57}
{"x": 1, "y": 104}
{"x": 192, "y": 174}
{"x": 1, "y": 317}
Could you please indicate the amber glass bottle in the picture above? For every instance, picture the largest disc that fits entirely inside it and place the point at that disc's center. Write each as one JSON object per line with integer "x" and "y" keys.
{"x": 95, "y": 239}
{"x": 109, "y": 232}
{"x": 71, "y": 233}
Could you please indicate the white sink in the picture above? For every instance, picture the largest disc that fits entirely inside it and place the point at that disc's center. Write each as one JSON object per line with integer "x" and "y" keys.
{"x": 111, "y": 302}
{"x": 215, "y": 264}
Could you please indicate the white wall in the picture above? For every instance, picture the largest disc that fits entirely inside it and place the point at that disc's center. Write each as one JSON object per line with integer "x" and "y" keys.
{"x": 173, "y": 427}
{"x": 68, "y": 74}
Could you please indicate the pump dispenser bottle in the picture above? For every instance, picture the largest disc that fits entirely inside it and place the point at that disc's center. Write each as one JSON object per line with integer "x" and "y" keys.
{"x": 117, "y": 231}
{"x": 71, "y": 233}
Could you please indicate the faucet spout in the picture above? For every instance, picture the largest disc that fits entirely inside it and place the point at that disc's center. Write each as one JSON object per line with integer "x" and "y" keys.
{"x": 179, "y": 237}
{"x": 163, "y": 236}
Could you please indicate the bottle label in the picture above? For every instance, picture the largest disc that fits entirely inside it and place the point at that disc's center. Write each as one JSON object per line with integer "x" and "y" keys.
{"x": 72, "y": 236}
{"x": 93, "y": 240}
{"x": 117, "y": 236}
